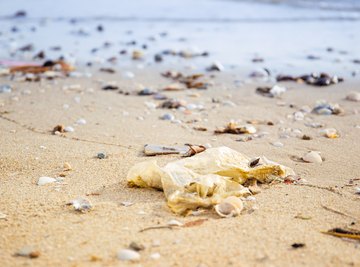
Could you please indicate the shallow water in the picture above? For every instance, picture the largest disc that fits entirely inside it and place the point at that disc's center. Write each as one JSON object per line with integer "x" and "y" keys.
{"x": 233, "y": 32}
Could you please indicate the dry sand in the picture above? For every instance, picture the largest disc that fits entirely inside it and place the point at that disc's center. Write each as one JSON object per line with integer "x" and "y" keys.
{"x": 38, "y": 216}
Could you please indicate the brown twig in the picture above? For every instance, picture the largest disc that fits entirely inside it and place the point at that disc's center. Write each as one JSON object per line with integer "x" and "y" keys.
{"x": 338, "y": 212}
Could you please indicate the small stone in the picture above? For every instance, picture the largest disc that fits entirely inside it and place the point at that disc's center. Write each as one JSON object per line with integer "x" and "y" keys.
{"x": 216, "y": 66}
{"x": 81, "y": 122}
{"x": 69, "y": 129}
{"x": 167, "y": 117}
{"x": 357, "y": 190}
{"x": 353, "y": 96}
{"x": 128, "y": 255}
{"x": 2, "y": 216}
{"x": 27, "y": 251}
{"x": 81, "y": 204}
{"x": 312, "y": 157}
{"x": 330, "y": 133}
{"x": 277, "y": 144}
{"x": 46, "y": 180}
{"x": 155, "y": 256}
{"x": 174, "y": 223}
{"x": 127, "y": 203}
{"x": 136, "y": 246}
{"x": 67, "y": 166}
{"x": 5, "y": 88}
{"x": 101, "y": 155}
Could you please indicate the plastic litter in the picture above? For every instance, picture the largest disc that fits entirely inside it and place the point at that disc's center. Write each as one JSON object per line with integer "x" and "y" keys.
{"x": 204, "y": 180}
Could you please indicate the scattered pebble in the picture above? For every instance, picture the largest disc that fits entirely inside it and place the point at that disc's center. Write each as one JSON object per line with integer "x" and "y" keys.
{"x": 27, "y": 251}
{"x": 46, "y": 180}
{"x": 312, "y": 157}
{"x": 353, "y": 96}
{"x": 69, "y": 129}
{"x": 167, "y": 117}
{"x": 330, "y": 133}
{"x": 101, "y": 155}
{"x": 155, "y": 256}
{"x": 277, "y": 144}
{"x": 5, "y": 88}
{"x": 136, "y": 246}
{"x": 81, "y": 122}
{"x": 174, "y": 223}
{"x": 81, "y": 204}
{"x": 127, "y": 203}
{"x": 128, "y": 255}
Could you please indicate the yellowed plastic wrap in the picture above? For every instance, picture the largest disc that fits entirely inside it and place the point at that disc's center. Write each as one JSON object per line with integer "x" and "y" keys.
{"x": 205, "y": 179}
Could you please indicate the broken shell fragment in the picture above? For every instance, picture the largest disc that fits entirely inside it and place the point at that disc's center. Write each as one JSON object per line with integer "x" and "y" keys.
{"x": 312, "y": 157}
{"x": 330, "y": 133}
{"x": 46, "y": 180}
{"x": 128, "y": 255}
{"x": 174, "y": 223}
{"x": 229, "y": 207}
{"x": 233, "y": 128}
{"x": 81, "y": 204}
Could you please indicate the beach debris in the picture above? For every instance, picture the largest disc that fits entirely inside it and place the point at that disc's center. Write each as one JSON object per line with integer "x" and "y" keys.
{"x": 128, "y": 255}
{"x": 330, "y": 133}
{"x": 2, "y": 216}
{"x": 194, "y": 223}
{"x": 316, "y": 79}
{"x": 312, "y": 157}
{"x": 193, "y": 81}
{"x": 205, "y": 179}
{"x": 101, "y": 155}
{"x": 343, "y": 233}
{"x": 49, "y": 65}
{"x": 274, "y": 91}
{"x": 357, "y": 190}
{"x": 325, "y": 108}
{"x": 81, "y": 204}
{"x": 69, "y": 129}
{"x": 216, "y": 66}
{"x": 27, "y": 251}
{"x": 352, "y": 96}
{"x": 107, "y": 70}
{"x": 277, "y": 144}
{"x": 297, "y": 245}
{"x": 260, "y": 73}
{"x": 314, "y": 124}
{"x": 137, "y": 55}
{"x": 155, "y": 256}
{"x": 187, "y": 150}
{"x": 229, "y": 207}
{"x": 174, "y": 223}
{"x": 172, "y": 104}
{"x": 136, "y": 246}
{"x": 81, "y": 121}
{"x": 67, "y": 167}
{"x": 234, "y": 128}
{"x": 127, "y": 203}
{"x": 110, "y": 87}
{"x": 167, "y": 117}
{"x": 146, "y": 91}
{"x": 58, "y": 129}
{"x": 45, "y": 180}
{"x": 5, "y": 88}
{"x": 302, "y": 217}
{"x": 200, "y": 129}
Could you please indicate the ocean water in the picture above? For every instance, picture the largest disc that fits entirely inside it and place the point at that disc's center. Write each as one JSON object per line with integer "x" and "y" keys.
{"x": 284, "y": 33}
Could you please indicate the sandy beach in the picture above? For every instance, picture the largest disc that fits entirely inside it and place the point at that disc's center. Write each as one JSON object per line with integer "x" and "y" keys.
{"x": 284, "y": 223}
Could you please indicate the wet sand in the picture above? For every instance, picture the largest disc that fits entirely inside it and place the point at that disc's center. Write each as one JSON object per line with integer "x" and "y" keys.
{"x": 120, "y": 125}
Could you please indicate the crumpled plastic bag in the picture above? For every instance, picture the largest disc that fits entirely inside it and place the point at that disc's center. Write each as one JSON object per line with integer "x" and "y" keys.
{"x": 205, "y": 179}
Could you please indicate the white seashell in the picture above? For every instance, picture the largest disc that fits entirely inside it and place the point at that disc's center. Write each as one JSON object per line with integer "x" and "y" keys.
{"x": 168, "y": 117}
{"x": 46, "y": 180}
{"x": 81, "y": 121}
{"x": 155, "y": 256}
{"x": 69, "y": 129}
{"x": 298, "y": 116}
{"x": 250, "y": 129}
{"x": 357, "y": 190}
{"x": 277, "y": 144}
{"x": 174, "y": 223}
{"x": 353, "y": 96}
{"x": 229, "y": 207}
{"x": 312, "y": 157}
{"x": 128, "y": 255}
{"x": 277, "y": 90}
{"x": 2, "y": 216}
{"x": 127, "y": 203}
{"x": 82, "y": 204}
{"x": 330, "y": 133}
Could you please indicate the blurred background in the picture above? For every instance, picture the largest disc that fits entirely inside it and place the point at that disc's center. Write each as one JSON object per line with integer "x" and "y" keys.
{"x": 285, "y": 36}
